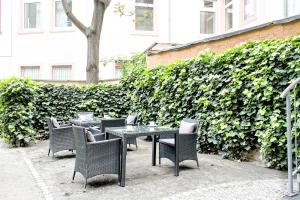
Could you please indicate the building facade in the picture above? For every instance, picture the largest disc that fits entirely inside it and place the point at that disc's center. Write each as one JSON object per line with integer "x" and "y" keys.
{"x": 39, "y": 41}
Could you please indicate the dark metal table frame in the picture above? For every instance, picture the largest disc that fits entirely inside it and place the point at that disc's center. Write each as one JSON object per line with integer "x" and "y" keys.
{"x": 139, "y": 131}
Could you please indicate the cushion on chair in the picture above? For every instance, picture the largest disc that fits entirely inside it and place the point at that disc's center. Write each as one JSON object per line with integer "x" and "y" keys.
{"x": 90, "y": 137}
{"x": 186, "y": 127}
{"x": 86, "y": 117}
{"x": 131, "y": 119}
{"x": 170, "y": 142}
{"x": 54, "y": 122}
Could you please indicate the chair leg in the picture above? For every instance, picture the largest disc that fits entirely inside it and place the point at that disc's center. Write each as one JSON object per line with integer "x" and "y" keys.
{"x": 48, "y": 152}
{"x": 159, "y": 161}
{"x": 136, "y": 146}
{"x": 197, "y": 163}
{"x": 74, "y": 175}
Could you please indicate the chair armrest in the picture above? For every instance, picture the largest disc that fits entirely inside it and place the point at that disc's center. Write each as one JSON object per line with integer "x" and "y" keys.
{"x": 95, "y": 131}
{"x": 62, "y": 130}
{"x": 187, "y": 140}
{"x": 65, "y": 125}
{"x": 99, "y": 137}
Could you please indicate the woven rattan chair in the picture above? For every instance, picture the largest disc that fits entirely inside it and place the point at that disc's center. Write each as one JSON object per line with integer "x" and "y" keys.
{"x": 95, "y": 158}
{"x": 187, "y": 144}
{"x": 132, "y": 120}
{"x": 61, "y": 137}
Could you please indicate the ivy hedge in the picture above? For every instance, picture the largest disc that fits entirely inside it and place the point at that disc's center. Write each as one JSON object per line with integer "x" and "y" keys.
{"x": 25, "y": 105}
{"x": 234, "y": 95}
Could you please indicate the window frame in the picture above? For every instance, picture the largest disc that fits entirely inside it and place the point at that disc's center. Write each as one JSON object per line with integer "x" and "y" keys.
{"x": 208, "y": 9}
{"x": 143, "y": 32}
{"x": 61, "y": 66}
{"x": 54, "y": 28}
{"x": 22, "y": 24}
{"x": 23, "y": 67}
{"x": 226, "y": 6}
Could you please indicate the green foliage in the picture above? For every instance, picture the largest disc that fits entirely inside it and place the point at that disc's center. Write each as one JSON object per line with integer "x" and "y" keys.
{"x": 63, "y": 102}
{"x": 234, "y": 95}
{"x": 16, "y": 111}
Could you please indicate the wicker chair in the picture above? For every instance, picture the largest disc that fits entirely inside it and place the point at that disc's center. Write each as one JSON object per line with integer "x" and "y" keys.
{"x": 187, "y": 144}
{"x": 132, "y": 120}
{"x": 95, "y": 158}
{"x": 116, "y": 122}
{"x": 61, "y": 137}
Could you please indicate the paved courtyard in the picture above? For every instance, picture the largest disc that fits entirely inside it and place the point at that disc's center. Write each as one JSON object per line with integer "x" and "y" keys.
{"x": 28, "y": 173}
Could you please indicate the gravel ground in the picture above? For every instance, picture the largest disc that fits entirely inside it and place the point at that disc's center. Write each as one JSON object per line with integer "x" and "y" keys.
{"x": 30, "y": 174}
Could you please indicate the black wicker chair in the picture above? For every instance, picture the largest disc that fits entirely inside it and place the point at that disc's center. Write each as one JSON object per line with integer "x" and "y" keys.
{"x": 61, "y": 137}
{"x": 95, "y": 158}
{"x": 115, "y": 122}
{"x": 187, "y": 144}
{"x": 132, "y": 120}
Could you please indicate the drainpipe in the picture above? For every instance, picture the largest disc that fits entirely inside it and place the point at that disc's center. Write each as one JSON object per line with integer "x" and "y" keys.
{"x": 169, "y": 21}
{"x": 285, "y": 8}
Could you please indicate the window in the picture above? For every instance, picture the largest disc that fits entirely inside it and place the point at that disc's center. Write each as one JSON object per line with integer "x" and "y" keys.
{"x": 62, "y": 72}
{"x": 31, "y": 15}
{"x": 207, "y": 17}
{"x": 249, "y": 9}
{"x": 32, "y": 72}
{"x": 144, "y": 15}
{"x": 228, "y": 15}
{"x": 61, "y": 19}
{"x": 118, "y": 72}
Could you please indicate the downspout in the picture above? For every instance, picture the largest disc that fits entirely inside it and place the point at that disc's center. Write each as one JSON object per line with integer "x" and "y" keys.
{"x": 285, "y": 8}
{"x": 169, "y": 21}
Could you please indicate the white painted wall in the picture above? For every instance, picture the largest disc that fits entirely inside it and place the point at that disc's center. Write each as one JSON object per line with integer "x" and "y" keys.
{"x": 51, "y": 47}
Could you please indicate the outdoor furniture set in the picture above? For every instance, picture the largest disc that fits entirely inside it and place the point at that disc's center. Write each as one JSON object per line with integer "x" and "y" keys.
{"x": 101, "y": 144}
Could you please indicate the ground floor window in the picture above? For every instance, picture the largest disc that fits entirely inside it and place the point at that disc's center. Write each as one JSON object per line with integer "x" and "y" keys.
{"x": 62, "y": 72}
{"x": 32, "y": 72}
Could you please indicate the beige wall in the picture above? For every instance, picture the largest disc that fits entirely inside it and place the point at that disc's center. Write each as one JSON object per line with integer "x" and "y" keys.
{"x": 269, "y": 32}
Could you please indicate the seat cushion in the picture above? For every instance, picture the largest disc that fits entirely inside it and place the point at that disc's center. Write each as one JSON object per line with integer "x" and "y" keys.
{"x": 55, "y": 123}
{"x": 131, "y": 119}
{"x": 186, "y": 127}
{"x": 90, "y": 137}
{"x": 170, "y": 142}
{"x": 86, "y": 117}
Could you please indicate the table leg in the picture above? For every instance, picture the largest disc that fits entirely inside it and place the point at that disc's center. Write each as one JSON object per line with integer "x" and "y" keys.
{"x": 153, "y": 150}
{"x": 176, "y": 155}
{"x": 123, "y": 161}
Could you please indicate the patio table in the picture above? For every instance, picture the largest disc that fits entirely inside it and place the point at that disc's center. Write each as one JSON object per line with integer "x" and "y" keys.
{"x": 94, "y": 122}
{"x": 136, "y": 131}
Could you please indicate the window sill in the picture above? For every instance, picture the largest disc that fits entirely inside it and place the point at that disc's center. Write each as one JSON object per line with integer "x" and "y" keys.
{"x": 62, "y": 29}
{"x": 145, "y": 33}
{"x": 31, "y": 31}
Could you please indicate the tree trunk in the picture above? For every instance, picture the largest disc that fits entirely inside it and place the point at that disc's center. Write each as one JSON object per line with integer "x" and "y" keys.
{"x": 92, "y": 33}
{"x": 92, "y": 69}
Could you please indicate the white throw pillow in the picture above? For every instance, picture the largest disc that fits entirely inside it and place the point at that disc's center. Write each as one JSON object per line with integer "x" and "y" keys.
{"x": 55, "y": 123}
{"x": 131, "y": 119}
{"x": 186, "y": 127}
{"x": 90, "y": 137}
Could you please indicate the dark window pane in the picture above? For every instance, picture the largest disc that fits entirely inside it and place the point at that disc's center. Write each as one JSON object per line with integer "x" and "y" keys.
{"x": 228, "y": 18}
{"x": 207, "y": 22}
{"x": 227, "y": 1}
{"x": 31, "y": 15}
{"x": 208, "y": 4}
{"x": 143, "y": 18}
{"x": 144, "y": 1}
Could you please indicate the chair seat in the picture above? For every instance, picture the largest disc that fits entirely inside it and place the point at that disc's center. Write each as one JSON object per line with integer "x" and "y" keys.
{"x": 170, "y": 142}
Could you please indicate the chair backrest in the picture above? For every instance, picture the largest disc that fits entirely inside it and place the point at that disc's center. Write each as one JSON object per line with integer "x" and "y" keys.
{"x": 78, "y": 114}
{"x": 188, "y": 120}
{"x": 80, "y": 139}
{"x": 50, "y": 126}
{"x": 132, "y": 119}
{"x": 118, "y": 122}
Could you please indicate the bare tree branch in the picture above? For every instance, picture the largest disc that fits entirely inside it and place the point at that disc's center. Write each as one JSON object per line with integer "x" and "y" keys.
{"x": 74, "y": 19}
{"x": 105, "y": 2}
